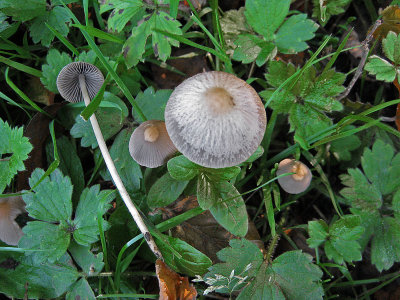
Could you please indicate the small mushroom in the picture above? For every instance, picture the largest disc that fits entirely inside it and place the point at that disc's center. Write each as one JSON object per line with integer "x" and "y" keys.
{"x": 10, "y": 208}
{"x": 295, "y": 183}
{"x": 150, "y": 145}
{"x": 80, "y": 80}
{"x": 215, "y": 119}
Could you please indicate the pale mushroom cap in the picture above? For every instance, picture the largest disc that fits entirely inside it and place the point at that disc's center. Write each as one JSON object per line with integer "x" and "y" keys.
{"x": 68, "y": 81}
{"x": 10, "y": 208}
{"x": 296, "y": 183}
{"x": 215, "y": 119}
{"x": 150, "y": 145}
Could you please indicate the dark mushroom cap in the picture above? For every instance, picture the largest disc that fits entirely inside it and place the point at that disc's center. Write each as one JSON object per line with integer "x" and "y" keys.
{"x": 150, "y": 145}
{"x": 295, "y": 183}
{"x": 68, "y": 81}
{"x": 215, "y": 119}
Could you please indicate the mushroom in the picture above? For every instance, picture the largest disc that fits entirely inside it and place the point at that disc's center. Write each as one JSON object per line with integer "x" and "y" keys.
{"x": 10, "y": 208}
{"x": 215, "y": 119}
{"x": 81, "y": 80}
{"x": 297, "y": 182}
{"x": 150, "y": 145}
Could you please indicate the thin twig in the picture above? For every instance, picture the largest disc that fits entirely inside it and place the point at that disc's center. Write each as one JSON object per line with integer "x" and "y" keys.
{"x": 365, "y": 50}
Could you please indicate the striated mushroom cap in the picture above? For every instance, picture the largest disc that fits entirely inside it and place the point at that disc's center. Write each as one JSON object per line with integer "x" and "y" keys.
{"x": 68, "y": 81}
{"x": 10, "y": 208}
{"x": 295, "y": 183}
{"x": 215, "y": 119}
{"x": 150, "y": 145}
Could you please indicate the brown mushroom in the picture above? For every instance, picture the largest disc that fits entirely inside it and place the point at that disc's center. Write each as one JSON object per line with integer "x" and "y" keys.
{"x": 297, "y": 182}
{"x": 10, "y": 208}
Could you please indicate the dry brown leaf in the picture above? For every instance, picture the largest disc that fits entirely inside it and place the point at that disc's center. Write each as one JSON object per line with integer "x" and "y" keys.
{"x": 390, "y": 22}
{"x": 172, "y": 285}
{"x": 38, "y": 93}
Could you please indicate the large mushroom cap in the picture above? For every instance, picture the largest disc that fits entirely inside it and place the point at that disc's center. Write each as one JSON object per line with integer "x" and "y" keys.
{"x": 10, "y": 208}
{"x": 150, "y": 145}
{"x": 68, "y": 81}
{"x": 215, "y": 119}
{"x": 295, "y": 183}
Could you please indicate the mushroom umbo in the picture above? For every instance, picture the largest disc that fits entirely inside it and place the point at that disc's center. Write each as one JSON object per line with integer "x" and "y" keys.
{"x": 10, "y": 208}
{"x": 81, "y": 80}
{"x": 150, "y": 145}
{"x": 215, "y": 119}
{"x": 297, "y": 182}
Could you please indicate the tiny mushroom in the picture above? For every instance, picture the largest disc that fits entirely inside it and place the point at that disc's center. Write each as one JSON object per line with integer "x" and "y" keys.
{"x": 295, "y": 183}
{"x": 10, "y": 208}
{"x": 215, "y": 119}
{"x": 150, "y": 145}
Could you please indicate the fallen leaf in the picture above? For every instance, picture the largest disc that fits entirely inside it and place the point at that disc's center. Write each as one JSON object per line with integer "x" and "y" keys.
{"x": 172, "y": 285}
{"x": 38, "y": 93}
{"x": 390, "y": 22}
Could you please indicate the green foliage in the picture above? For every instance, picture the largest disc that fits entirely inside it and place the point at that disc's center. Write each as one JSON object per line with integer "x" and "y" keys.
{"x": 22, "y": 10}
{"x": 14, "y": 149}
{"x": 366, "y": 192}
{"x": 339, "y": 239}
{"x": 342, "y": 148}
{"x": 55, "y": 62}
{"x": 152, "y": 104}
{"x": 306, "y": 100}
{"x": 324, "y": 10}
{"x": 380, "y": 67}
{"x": 290, "y": 276}
{"x": 50, "y": 203}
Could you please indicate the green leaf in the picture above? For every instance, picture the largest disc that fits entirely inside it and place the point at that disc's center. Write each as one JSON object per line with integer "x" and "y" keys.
{"x": 58, "y": 18}
{"x": 381, "y": 167}
{"x": 110, "y": 121}
{"x": 152, "y": 104}
{"x": 91, "y": 264}
{"x": 50, "y": 240}
{"x": 381, "y": 68}
{"x": 165, "y": 191}
{"x": 342, "y": 148}
{"x": 289, "y": 276}
{"x": 124, "y": 12}
{"x": 135, "y": 45}
{"x": 230, "y": 210}
{"x": 22, "y": 10}
{"x": 80, "y": 290}
{"x": 182, "y": 168}
{"x": 318, "y": 231}
{"x": 55, "y": 62}
{"x": 128, "y": 169}
{"x": 265, "y": 16}
{"x": 391, "y": 47}
{"x": 46, "y": 281}
{"x": 249, "y": 47}
{"x": 324, "y": 10}
{"x": 70, "y": 164}
{"x": 51, "y": 199}
{"x": 182, "y": 257}
{"x": 85, "y": 223}
{"x": 14, "y": 149}
{"x": 221, "y": 174}
{"x": 207, "y": 191}
{"x": 292, "y": 35}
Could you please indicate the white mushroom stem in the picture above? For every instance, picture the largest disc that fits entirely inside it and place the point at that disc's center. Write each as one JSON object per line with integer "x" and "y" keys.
{"x": 115, "y": 176}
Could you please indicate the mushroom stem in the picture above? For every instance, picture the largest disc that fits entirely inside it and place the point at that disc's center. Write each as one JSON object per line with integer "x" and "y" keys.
{"x": 115, "y": 176}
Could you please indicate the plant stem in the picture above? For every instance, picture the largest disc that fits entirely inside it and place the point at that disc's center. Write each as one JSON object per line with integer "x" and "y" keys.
{"x": 115, "y": 176}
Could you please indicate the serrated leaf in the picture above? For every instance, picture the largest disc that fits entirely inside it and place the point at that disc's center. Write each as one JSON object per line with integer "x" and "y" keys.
{"x": 46, "y": 281}
{"x": 390, "y": 22}
{"x": 57, "y": 18}
{"x": 51, "y": 199}
{"x": 342, "y": 148}
{"x": 292, "y": 35}
{"x": 381, "y": 68}
{"x": 135, "y": 45}
{"x": 324, "y": 10}
{"x": 14, "y": 149}
{"x": 128, "y": 169}
{"x": 55, "y": 61}
{"x": 152, "y": 103}
{"x": 91, "y": 264}
{"x": 22, "y": 10}
{"x": 391, "y": 47}
{"x": 86, "y": 228}
{"x": 182, "y": 257}
{"x": 50, "y": 240}
{"x": 290, "y": 276}
{"x": 318, "y": 231}
{"x": 70, "y": 164}
{"x": 182, "y": 168}
{"x": 124, "y": 12}
{"x": 230, "y": 209}
{"x": 165, "y": 191}
{"x": 110, "y": 121}
{"x": 265, "y": 16}
{"x": 80, "y": 290}
{"x": 247, "y": 48}
{"x": 221, "y": 174}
